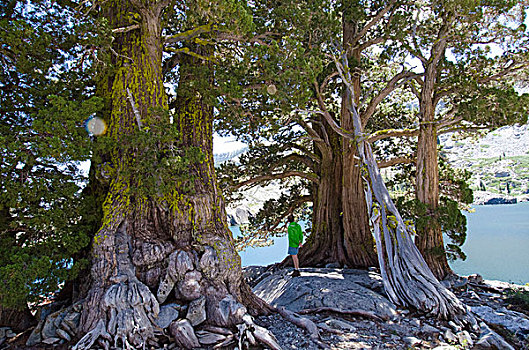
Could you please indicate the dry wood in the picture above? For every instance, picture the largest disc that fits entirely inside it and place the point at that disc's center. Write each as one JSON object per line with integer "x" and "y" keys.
{"x": 361, "y": 313}
{"x": 407, "y": 279}
{"x": 305, "y": 323}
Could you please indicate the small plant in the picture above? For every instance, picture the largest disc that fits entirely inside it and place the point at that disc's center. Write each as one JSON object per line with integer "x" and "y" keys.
{"x": 518, "y": 298}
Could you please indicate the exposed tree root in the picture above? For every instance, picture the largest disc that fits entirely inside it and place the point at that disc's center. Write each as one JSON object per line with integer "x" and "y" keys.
{"x": 305, "y": 323}
{"x": 360, "y": 313}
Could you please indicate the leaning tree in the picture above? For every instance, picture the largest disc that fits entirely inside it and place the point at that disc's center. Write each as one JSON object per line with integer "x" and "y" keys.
{"x": 407, "y": 279}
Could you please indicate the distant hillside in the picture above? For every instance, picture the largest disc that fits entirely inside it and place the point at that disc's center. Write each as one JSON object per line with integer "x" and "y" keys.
{"x": 227, "y": 148}
{"x": 499, "y": 161}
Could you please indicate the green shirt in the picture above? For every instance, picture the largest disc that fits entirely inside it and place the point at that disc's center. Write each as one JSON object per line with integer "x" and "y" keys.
{"x": 295, "y": 235}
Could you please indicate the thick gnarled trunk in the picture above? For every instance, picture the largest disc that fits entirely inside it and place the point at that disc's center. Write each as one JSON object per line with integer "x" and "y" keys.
{"x": 359, "y": 240}
{"x": 163, "y": 246}
{"x": 326, "y": 242}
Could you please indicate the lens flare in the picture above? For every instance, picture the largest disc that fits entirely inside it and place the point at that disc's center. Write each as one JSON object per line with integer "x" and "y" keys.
{"x": 96, "y": 126}
{"x": 271, "y": 89}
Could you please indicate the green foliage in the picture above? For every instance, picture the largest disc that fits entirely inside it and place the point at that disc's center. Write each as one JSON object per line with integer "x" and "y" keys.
{"x": 518, "y": 298}
{"x": 44, "y": 101}
{"x": 160, "y": 161}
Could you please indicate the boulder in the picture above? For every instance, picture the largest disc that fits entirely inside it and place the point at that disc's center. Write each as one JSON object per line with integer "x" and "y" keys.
{"x": 184, "y": 335}
{"x": 35, "y": 337}
{"x": 209, "y": 338}
{"x": 254, "y": 274}
{"x": 465, "y": 339}
{"x": 225, "y": 312}
{"x": 317, "y": 288}
{"x": 63, "y": 334}
{"x": 515, "y": 322}
{"x": 491, "y": 340}
{"x": 168, "y": 313}
{"x": 196, "y": 313}
{"x": 208, "y": 262}
{"x": 340, "y": 324}
{"x": 183, "y": 263}
{"x": 189, "y": 287}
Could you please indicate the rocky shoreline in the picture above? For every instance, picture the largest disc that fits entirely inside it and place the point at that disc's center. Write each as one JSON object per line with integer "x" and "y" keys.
{"x": 489, "y": 198}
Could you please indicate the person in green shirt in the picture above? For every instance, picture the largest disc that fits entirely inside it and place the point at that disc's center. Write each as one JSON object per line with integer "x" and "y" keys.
{"x": 295, "y": 238}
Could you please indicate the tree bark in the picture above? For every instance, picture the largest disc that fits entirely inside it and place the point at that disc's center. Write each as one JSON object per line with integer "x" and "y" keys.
{"x": 326, "y": 242}
{"x": 167, "y": 244}
{"x": 359, "y": 242}
{"x": 429, "y": 237}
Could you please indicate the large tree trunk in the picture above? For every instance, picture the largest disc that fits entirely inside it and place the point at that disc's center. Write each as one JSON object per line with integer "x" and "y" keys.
{"x": 359, "y": 244}
{"x": 429, "y": 237}
{"x": 326, "y": 242}
{"x": 169, "y": 243}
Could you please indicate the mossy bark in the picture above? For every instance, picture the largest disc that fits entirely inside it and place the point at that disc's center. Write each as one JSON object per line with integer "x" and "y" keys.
{"x": 170, "y": 245}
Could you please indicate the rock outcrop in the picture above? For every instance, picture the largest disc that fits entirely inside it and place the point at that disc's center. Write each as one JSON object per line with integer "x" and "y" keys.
{"x": 320, "y": 288}
{"x": 326, "y": 298}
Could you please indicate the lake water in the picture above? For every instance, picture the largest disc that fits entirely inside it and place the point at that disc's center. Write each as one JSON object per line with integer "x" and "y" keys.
{"x": 497, "y": 245}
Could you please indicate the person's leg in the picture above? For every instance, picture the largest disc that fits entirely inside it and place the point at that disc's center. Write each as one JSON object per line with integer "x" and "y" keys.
{"x": 296, "y": 261}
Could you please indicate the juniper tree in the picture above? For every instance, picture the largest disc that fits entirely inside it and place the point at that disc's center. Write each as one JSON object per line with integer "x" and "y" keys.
{"x": 45, "y": 99}
{"x": 452, "y": 41}
{"x": 340, "y": 229}
{"x": 162, "y": 234}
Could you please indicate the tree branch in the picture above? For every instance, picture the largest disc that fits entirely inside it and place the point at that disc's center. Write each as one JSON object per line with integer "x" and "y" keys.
{"x": 190, "y": 34}
{"x": 311, "y": 177}
{"x": 189, "y": 52}
{"x": 396, "y": 160}
{"x": 327, "y": 79}
{"x": 384, "y": 134}
{"x": 371, "y": 42}
{"x": 394, "y": 83}
{"x": 463, "y": 128}
{"x": 375, "y": 20}
{"x": 125, "y": 29}
{"x": 296, "y": 204}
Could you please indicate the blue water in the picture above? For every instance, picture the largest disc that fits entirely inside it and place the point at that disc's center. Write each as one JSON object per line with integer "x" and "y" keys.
{"x": 497, "y": 245}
